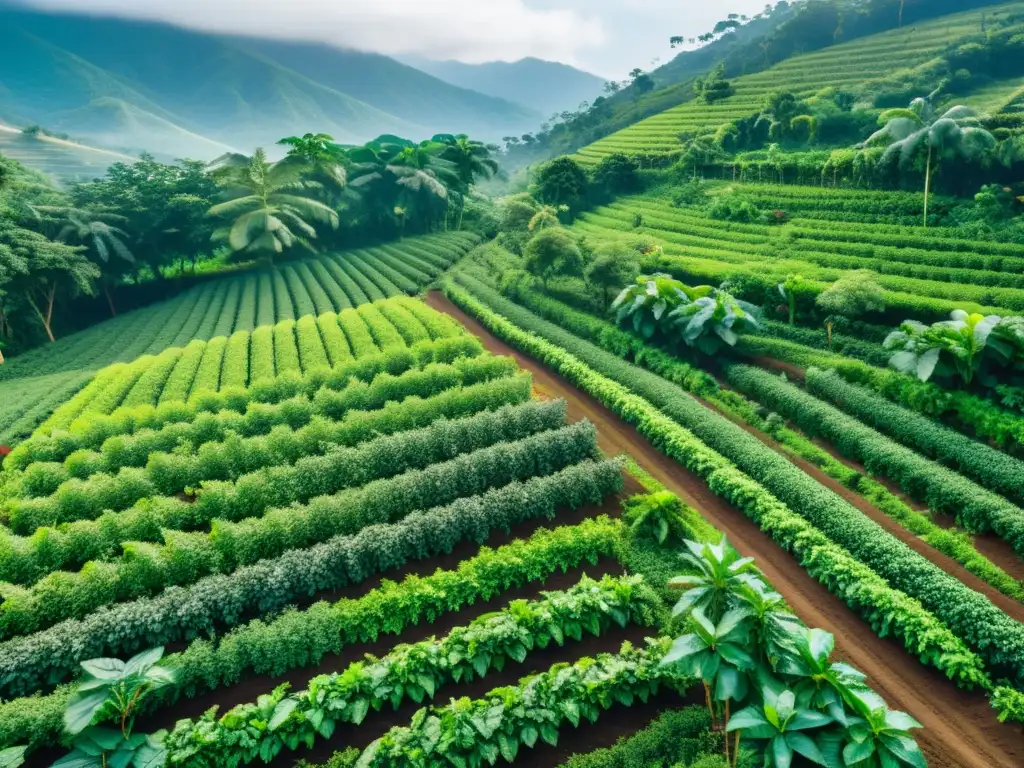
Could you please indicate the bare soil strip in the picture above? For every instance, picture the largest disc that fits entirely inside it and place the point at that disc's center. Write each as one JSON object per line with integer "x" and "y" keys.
{"x": 960, "y": 729}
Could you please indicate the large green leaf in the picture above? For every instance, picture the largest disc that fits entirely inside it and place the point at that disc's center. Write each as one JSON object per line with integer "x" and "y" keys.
{"x": 12, "y": 757}
{"x": 82, "y": 708}
{"x": 110, "y": 670}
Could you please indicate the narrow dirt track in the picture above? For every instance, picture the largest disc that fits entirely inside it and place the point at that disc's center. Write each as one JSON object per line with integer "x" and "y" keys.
{"x": 960, "y": 729}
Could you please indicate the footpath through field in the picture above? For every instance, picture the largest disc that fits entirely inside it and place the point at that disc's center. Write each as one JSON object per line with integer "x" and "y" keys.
{"x": 960, "y": 728}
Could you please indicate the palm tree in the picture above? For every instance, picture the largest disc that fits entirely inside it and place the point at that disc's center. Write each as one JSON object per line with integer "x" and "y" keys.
{"x": 268, "y": 204}
{"x": 96, "y": 231}
{"x": 955, "y": 133}
{"x": 325, "y": 158}
{"x": 470, "y": 159}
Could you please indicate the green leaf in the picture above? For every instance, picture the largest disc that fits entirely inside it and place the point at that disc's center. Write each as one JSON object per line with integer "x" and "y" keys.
{"x": 854, "y": 752}
{"x": 781, "y": 753}
{"x": 808, "y": 719}
{"x": 12, "y": 757}
{"x": 143, "y": 661}
{"x": 81, "y": 709}
{"x": 509, "y": 747}
{"x": 359, "y": 709}
{"x": 104, "y": 669}
{"x": 283, "y": 709}
{"x": 900, "y": 721}
{"x": 747, "y": 718}
{"x": 805, "y": 746}
{"x": 529, "y": 735}
{"x": 684, "y": 647}
{"x": 905, "y": 749}
{"x": 549, "y": 733}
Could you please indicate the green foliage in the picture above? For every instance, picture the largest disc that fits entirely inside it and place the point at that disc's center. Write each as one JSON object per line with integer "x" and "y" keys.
{"x": 553, "y": 252}
{"x": 834, "y": 562}
{"x": 561, "y": 182}
{"x": 510, "y": 718}
{"x": 411, "y": 672}
{"x": 955, "y": 347}
{"x": 647, "y": 303}
{"x": 612, "y": 266}
{"x": 113, "y": 690}
{"x": 711, "y": 322}
{"x": 676, "y": 736}
{"x": 989, "y": 467}
{"x": 853, "y": 295}
{"x": 297, "y": 639}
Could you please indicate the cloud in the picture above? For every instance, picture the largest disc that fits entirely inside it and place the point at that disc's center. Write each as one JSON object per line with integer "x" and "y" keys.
{"x": 469, "y": 30}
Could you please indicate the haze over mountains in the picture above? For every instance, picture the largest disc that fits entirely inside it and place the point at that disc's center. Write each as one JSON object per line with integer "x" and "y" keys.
{"x": 138, "y": 86}
{"x": 546, "y": 86}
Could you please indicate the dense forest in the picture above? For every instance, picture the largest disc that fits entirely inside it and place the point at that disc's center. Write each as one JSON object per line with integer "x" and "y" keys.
{"x": 146, "y": 222}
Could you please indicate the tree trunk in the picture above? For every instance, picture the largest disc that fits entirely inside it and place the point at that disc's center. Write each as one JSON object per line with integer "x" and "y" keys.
{"x": 725, "y": 733}
{"x": 462, "y": 211}
{"x": 110, "y": 299}
{"x": 927, "y": 184}
{"x": 902, "y": 3}
{"x": 43, "y": 319}
{"x": 736, "y": 750}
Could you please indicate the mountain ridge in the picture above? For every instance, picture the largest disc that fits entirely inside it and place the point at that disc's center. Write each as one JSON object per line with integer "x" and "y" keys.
{"x": 145, "y": 86}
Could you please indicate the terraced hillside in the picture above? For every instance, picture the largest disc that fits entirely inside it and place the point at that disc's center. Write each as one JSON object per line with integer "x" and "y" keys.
{"x": 250, "y": 311}
{"x": 926, "y": 272}
{"x": 848, "y": 66}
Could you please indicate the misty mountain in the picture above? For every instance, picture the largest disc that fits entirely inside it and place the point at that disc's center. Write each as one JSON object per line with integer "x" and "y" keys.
{"x": 545, "y": 86}
{"x": 136, "y": 86}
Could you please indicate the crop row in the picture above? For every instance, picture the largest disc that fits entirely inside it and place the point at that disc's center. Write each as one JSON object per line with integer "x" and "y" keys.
{"x": 24, "y": 560}
{"x": 987, "y": 466}
{"x": 45, "y": 659}
{"x": 963, "y": 409}
{"x": 974, "y": 508}
{"x": 222, "y": 306}
{"x": 955, "y": 544}
{"x": 508, "y": 719}
{"x": 90, "y": 431}
{"x": 184, "y": 558}
{"x": 413, "y": 672}
{"x": 891, "y": 578}
{"x": 27, "y": 402}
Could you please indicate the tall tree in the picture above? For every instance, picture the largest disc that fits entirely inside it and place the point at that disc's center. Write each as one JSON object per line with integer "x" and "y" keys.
{"x": 471, "y": 160}
{"x": 269, "y": 206}
{"x": 104, "y": 242}
{"x": 920, "y": 130}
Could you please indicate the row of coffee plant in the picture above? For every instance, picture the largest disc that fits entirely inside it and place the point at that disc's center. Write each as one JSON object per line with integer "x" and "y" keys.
{"x": 243, "y": 302}
{"x": 266, "y": 355}
{"x": 285, "y": 400}
{"x": 955, "y": 544}
{"x": 856, "y": 559}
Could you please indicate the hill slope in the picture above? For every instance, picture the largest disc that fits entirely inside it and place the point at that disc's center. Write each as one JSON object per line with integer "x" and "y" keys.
{"x": 135, "y": 85}
{"x": 545, "y": 86}
{"x": 848, "y": 66}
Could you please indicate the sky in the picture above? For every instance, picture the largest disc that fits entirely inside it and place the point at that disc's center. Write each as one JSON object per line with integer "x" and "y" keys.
{"x": 606, "y": 37}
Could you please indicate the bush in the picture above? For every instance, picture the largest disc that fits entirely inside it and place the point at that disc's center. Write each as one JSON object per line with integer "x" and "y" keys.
{"x": 301, "y": 638}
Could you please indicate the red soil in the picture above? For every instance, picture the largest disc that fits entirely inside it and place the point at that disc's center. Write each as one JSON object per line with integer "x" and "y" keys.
{"x": 960, "y": 728}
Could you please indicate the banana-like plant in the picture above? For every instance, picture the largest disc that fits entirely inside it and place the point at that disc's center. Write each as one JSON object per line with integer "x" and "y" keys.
{"x": 711, "y": 322}
{"x": 112, "y": 690}
{"x": 718, "y": 575}
{"x": 646, "y": 303}
{"x": 822, "y": 684}
{"x": 718, "y": 654}
{"x": 956, "y": 133}
{"x": 783, "y": 722}
{"x": 952, "y": 346}
{"x": 875, "y": 738}
{"x": 12, "y": 757}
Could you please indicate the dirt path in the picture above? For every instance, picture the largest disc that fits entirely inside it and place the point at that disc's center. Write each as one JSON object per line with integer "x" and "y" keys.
{"x": 960, "y": 729}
